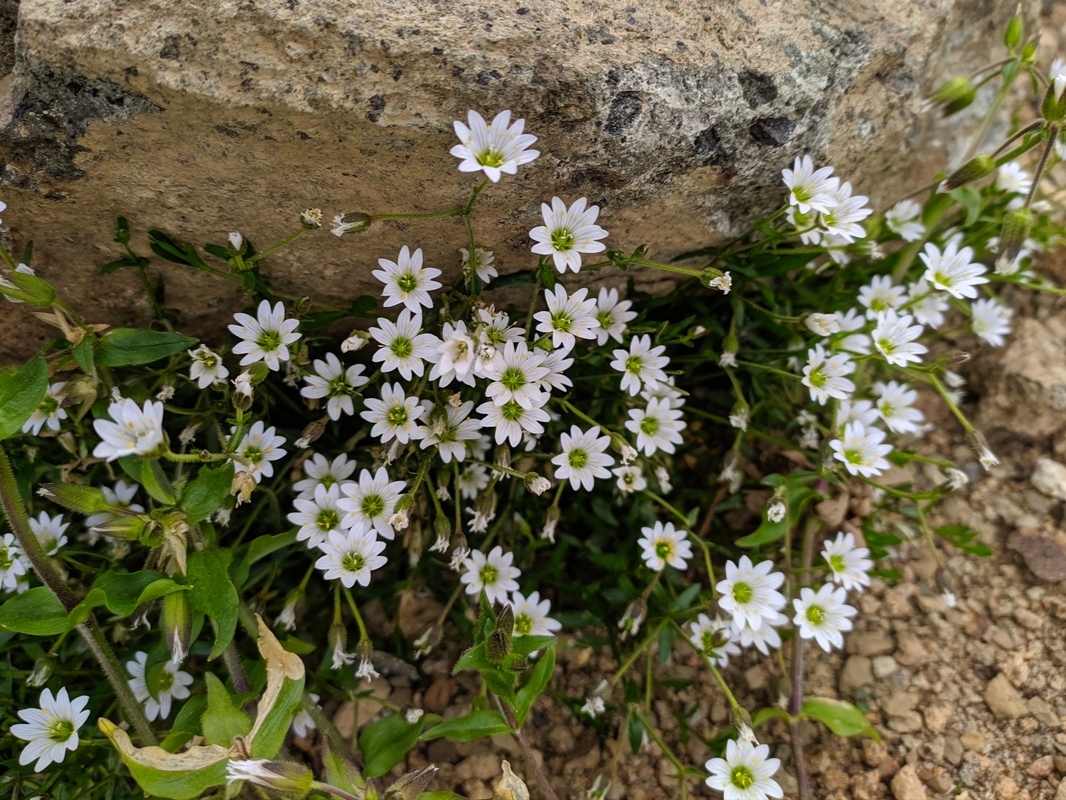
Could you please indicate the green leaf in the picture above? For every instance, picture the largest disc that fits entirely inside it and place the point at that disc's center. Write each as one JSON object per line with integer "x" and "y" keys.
{"x": 341, "y": 772}
{"x": 21, "y": 391}
{"x": 259, "y": 548}
{"x": 36, "y": 611}
{"x": 165, "y": 247}
{"x": 222, "y": 721}
{"x": 384, "y": 743}
{"x": 537, "y": 683}
{"x": 125, "y": 347}
{"x": 475, "y": 658}
{"x": 962, "y": 537}
{"x": 636, "y": 732}
{"x": 684, "y": 600}
{"x": 766, "y": 714}
{"x": 797, "y": 495}
{"x": 85, "y": 355}
{"x": 281, "y": 699}
{"x": 840, "y": 717}
{"x": 123, "y": 592}
{"x": 149, "y": 474}
{"x": 475, "y": 725}
{"x": 214, "y": 593}
{"x": 527, "y": 645}
{"x": 187, "y": 724}
{"x": 203, "y": 496}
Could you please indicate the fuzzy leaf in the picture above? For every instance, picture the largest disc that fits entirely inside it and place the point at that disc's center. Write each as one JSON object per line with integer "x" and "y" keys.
{"x": 214, "y": 593}
{"x": 204, "y": 495}
{"x": 222, "y": 721}
{"x": 384, "y": 743}
{"x": 126, "y": 347}
{"x": 475, "y": 725}
{"x": 537, "y": 683}
{"x": 37, "y": 612}
{"x": 21, "y": 390}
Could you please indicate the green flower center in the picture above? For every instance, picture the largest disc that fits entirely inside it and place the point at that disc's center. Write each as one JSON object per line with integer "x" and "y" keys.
{"x": 634, "y": 364}
{"x": 489, "y": 575}
{"x": 407, "y": 282}
{"x": 886, "y": 346}
{"x": 742, "y": 593}
{"x": 817, "y": 377}
{"x": 562, "y": 239}
{"x": 339, "y": 386}
{"x": 402, "y": 347}
{"x": 801, "y": 193}
{"x": 396, "y": 416}
{"x": 208, "y": 360}
{"x": 887, "y": 410}
{"x": 327, "y": 519}
{"x": 490, "y": 158}
{"x": 649, "y": 425}
{"x": 327, "y": 480}
{"x": 578, "y": 459}
{"x": 495, "y": 335}
{"x": 511, "y": 411}
{"x": 253, "y": 454}
{"x": 853, "y": 456}
{"x": 741, "y": 777}
{"x": 513, "y": 379}
{"x": 353, "y": 562}
{"x": 166, "y": 681}
{"x": 606, "y": 319}
{"x": 877, "y": 304}
{"x": 373, "y": 505}
{"x": 942, "y": 279}
{"x": 59, "y": 730}
{"x": 562, "y": 321}
{"x": 48, "y": 406}
{"x": 269, "y": 341}
{"x": 523, "y": 625}
{"x": 816, "y": 615}
{"x": 664, "y": 549}
{"x": 836, "y": 563}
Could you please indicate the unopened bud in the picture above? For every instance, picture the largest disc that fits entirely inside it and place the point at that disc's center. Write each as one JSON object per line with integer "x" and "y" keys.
{"x": 442, "y": 528}
{"x": 287, "y": 778}
{"x": 411, "y": 785}
{"x": 1016, "y": 228}
{"x": 1012, "y": 37}
{"x": 1053, "y": 109}
{"x": 42, "y": 671}
{"x": 961, "y": 102}
{"x": 972, "y": 170}
{"x": 355, "y": 341}
{"x": 979, "y": 445}
{"x": 537, "y": 484}
{"x": 312, "y": 432}
{"x": 28, "y": 288}
{"x": 633, "y": 618}
{"x": 76, "y": 497}
{"x": 486, "y": 504}
{"x": 955, "y": 88}
{"x": 501, "y": 456}
{"x": 177, "y": 625}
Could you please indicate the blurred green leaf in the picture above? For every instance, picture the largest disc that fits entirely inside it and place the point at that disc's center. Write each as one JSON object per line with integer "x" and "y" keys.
{"x": 21, "y": 391}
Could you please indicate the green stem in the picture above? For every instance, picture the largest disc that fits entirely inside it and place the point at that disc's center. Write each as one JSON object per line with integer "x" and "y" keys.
{"x": 654, "y": 497}
{"x": 363, "y": 635}
{"x": 277, "y": 246}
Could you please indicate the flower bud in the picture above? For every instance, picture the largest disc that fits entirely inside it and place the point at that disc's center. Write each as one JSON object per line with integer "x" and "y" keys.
{"x": 716, "y": 279}
{"x": 411, "y": 785}
{"x": 28, "y": 288}
{"x": 287, "y": 618}
{"x": 1012, "y": 37}
{"x": 631, "y": 621}
{"x": 1053, "y": 109}
{"x": 76, "y": 497}
{"x": 951, "y": 91}
{"x": 1016, "y": 228}
{"x": 177, "y": 625}
{"x": 960, "y": 103}
{"x": 356, "y": 222}
{"x": 537, "y": 484}
{"x": 287, "y": 778}
{"x": 972, "y": 170}
{"x": 979, "y": 445}
{"x": 338, "y": 644}
{"x": 42, "y": 671}
{"x": 355, "y": 341}
{"x": 1029, "y": 52}
{"x": 486, "y": 504}
{"x": 312, "y": 432}
{"x": 501, "y": 456}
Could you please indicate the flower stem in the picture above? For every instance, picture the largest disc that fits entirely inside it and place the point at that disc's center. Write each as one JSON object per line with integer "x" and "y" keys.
{"x": 538, "y": 771}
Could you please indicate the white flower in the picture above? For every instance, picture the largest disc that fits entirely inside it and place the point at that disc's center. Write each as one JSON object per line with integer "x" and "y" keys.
{"x": 613, "y": 316}
{"x": 711, "y": 637}
{"x": 665, "y": 390}
{"x": 531, "y": 615}
{"x": 848, "y": 564}
{"x": 266, "y": 338}
{"x": 739, "y": 419}
{"x": 492, "y": 574}
{"x": 727, "y": 359}
{"x": 861, "y": 450}
{"x": 852, "y": 322}
{"x": 927, "y": 306}
{"x": 842, "y": 220}
{"x": 351, "y": 555}
{"x": 134, "y": 431}
{"x": 567, "y": 233}
{"x": 287, "y": 618}
{"x": 895, "y": 405}
{"x": 516, "y": 373}
{"x": 171, "y": 684}
{"x": 482, "y": 263}
{"x": 260, "y": 445}
{"x": 236, "y": 240}
{"x": 746, "y": 772}
{"x": 858, "y": 411}
{"x": 894, "y": 337}
{"x": 583, "y": 458}
{"x": 303, "y": 723}
{"x": 568, "y": 318}
{"x": 990, "y": 320}
{"x": 450, "y": 429}
{"x": 822, "y": 324}
{"x": 1012, "y": 179}
{"x": 12, "y": 563}
{"x": 722, "y": 283}
{"x": 557, "y": 364}
{"x": 511, "y": 421}
{"x": 403, "y": 345}
{"x": 952, "y": 271}
{"x": 749, "y": 593}
{"x": 207, "y": 368}
{"x": 371, "y": 501}
{"x": 593, "y": 706}
{"x": 336, "y": 383}
{"x": 406, "y": 281}
{"x": 630, "y": 479}
{"x": 776, "y": 511}
{"x": 880, "y": 295}
{"x": 823, "y": 615}
{"x": 641, "y": 365}
{"x": 49, "y": 412}
{"x": 120, "y": 495}
{"x": 319, "y": 517}
{"x": 50, "y": 531}
{"x": 827, "y": 377}
{"x": 472, "y": 481}
{"x": 657, "y": 426}
{"x": 52, "y": 729}
{"x": 806, "y": 225}
{"x": 902, "y": 218}
{"x": 663, "y": 544}
{"x": 957, "y": 479}
{"x": 243, "y": 384}
{"x": 765, "y": 638}
{"x": 455, "y": 355}
{"x": 810, "y": 188}
{"x": 366, "y": 670}
{"x": 494, "y": 150}
{"x": 394, "y": 415}
{"x": 321, "y": 471}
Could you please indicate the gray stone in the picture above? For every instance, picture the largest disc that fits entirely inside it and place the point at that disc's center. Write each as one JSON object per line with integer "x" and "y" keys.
{"x": 1050, "y": 478}
{"x": 198, "y": 118}
{"x": 1003, "y": 699}
{"x": 1044, "y": 555}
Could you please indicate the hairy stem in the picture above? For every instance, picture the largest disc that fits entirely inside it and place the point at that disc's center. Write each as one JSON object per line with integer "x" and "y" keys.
{"x": 538, "y": 771}
{"x": 795, "y": 700}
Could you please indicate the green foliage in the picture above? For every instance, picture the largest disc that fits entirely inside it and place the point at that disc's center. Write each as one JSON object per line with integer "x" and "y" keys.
{"x": 125, "y": 347}
{"x": 21, "y": 390}
{"x": 385, "y": 743}
{"x": 212, "y": 592}
{"x": 222, "y": 720}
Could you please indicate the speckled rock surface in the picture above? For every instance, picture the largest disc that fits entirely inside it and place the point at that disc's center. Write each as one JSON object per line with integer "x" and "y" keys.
{"x": 202, "y": 117}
